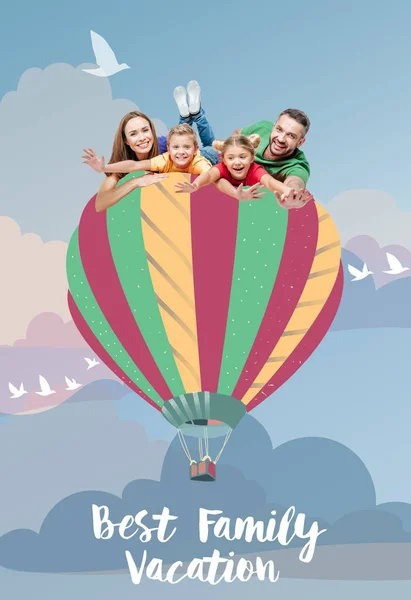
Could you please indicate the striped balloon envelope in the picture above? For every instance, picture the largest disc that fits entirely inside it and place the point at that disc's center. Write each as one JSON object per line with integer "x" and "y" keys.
{"x": 203, "y": 305}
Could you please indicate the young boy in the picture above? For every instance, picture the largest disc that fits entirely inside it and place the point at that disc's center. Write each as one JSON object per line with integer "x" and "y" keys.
{"x": 191, "y": 112}
{"x": 182, "y": 156}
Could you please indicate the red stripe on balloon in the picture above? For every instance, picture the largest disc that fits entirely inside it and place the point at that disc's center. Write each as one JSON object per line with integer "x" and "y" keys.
{"x": 98, "y": 349}
{"x": 102, "y": 276}
{"x": 214, "y": 219}
{"x": 296, "y": 261}
{"x": 307, "y": 345}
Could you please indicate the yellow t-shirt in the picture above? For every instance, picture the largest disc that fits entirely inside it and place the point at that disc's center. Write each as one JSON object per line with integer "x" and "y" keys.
{"x": 163, "y": 164}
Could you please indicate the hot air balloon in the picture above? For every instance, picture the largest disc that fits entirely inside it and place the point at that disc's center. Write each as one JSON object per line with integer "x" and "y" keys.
{"x": 203, "y": 305}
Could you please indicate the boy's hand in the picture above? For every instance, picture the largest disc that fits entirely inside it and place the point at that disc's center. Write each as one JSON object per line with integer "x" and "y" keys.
{"x": 91, "y": 159}
{"x": 185, "y": 188}
{"x": 149, "y": 179}
{"x": 293, "y": 198}
{"x": 250, "y": 194}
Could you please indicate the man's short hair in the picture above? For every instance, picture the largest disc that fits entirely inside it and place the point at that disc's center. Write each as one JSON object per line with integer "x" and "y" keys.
{"x": 299, "y": 116}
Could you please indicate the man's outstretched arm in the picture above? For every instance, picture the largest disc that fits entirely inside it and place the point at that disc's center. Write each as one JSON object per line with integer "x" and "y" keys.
{"x": 294, "y": 182}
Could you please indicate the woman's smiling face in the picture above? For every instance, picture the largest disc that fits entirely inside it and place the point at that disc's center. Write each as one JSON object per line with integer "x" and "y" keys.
{"x": 139, "y": 137}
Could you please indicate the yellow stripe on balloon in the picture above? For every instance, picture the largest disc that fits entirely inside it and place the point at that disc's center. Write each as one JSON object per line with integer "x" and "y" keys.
{"x": 166, "y": 227}
{"x": 320, "y": 282}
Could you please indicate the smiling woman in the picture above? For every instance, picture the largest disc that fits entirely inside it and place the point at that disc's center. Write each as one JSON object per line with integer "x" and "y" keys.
{"x": 135, "y": 138}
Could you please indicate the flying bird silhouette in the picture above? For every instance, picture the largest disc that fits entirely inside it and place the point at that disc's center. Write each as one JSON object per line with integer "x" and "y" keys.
{"x": 72, "y": 384}
{"x": 92, "y": 362}
{"x": 105, "y": 58}
{"x": 357, "y": 274}
{"x": 17, "y": 392}
{"x": 45, "y": 387}
{"x": 395, "y": 266}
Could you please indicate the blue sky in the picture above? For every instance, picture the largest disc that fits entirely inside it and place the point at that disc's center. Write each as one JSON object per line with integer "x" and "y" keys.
{"x": 345, "y": 63}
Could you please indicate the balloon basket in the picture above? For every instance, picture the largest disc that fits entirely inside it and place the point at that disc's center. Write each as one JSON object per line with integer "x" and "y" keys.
{"x": 204, "y": 470}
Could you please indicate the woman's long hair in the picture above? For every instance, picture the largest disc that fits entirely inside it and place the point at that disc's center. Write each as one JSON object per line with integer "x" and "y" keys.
{"x": 121, "y": 150}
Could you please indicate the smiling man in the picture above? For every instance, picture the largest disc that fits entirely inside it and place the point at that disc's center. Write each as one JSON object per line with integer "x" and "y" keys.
{"x": 279, "y": 152}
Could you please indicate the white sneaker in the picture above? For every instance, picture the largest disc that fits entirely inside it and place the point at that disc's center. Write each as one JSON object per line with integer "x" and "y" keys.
{"x": 194, "y": 94}
{"x": 180, "y": 96}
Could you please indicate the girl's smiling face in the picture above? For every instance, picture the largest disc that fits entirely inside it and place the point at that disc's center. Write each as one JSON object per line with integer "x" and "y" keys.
{"x": 237, "y": 160}
{"x": 139, "y": 137}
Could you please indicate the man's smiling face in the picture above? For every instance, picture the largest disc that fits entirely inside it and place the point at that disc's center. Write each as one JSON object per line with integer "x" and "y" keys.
{"x": 286, "y": 135}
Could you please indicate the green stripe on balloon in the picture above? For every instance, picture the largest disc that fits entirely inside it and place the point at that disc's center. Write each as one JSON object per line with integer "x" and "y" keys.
{"x": 262, "y": 227}
{"x": 127, "y": 248}
{"x": 87, "y": 304}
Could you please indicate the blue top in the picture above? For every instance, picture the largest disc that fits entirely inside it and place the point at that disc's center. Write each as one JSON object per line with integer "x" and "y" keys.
{"x": 162, "y": 144}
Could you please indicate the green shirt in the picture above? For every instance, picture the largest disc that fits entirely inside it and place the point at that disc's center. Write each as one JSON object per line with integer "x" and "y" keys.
{"x": 295, "y": 165}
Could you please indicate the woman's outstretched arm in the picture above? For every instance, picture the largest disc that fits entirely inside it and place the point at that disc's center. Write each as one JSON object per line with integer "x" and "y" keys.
{"x": 125, "y": 166}
{"x": 109, "y": 193}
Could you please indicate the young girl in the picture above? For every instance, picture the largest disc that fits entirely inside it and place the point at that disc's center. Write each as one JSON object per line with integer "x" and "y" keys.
{"x": 238, "y": 169}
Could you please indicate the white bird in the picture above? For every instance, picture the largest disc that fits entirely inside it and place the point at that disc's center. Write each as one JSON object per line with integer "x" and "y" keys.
{"x": 91, "y": 362}
{"x": 357, "y": 274}
{"x": 105, "y": 58}
{"x": 45, "y": 387}
{"x": 17, "y": 392}
{"x": 72, "y": 384}
{"x": 395, "y": 266}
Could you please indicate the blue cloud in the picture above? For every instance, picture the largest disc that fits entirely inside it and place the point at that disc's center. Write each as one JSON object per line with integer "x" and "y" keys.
{"x": 371, "y": 526}
{"x": 320, "y": 477}
{"x": 402, "y": 510}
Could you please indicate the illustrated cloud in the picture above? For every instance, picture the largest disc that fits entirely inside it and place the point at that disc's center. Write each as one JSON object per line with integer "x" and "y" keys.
{"x": 33, "y": 279}
{"x": 66, "y": 543}
{"x": 373, "y": 213}
{"x": 64, "y": 111}
{"x": 49, "y": 330}
{"x": 363, "y": 306}
{"x": 367, "y": 525}
{"x": 76, "y": 446}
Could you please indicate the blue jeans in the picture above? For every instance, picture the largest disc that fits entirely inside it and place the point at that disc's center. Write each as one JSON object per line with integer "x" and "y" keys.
{"x": 206, "y": 135}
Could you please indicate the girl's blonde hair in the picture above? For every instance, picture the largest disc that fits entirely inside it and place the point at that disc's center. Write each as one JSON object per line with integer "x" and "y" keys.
{"x": 249, "y": 143}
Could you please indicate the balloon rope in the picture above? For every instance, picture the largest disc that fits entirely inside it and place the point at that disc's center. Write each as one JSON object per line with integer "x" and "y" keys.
{"x": 206, "y": 440}
{"x": 227, "y": 437}
{"x": 200, "y": 448}
{"x": 185, "y": 447}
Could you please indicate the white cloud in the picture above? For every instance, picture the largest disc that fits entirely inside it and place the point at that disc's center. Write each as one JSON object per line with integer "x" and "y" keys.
{"x": 54, "y": 113}
{"x": 370, "y": 212}
{"x": 33, "y": 279}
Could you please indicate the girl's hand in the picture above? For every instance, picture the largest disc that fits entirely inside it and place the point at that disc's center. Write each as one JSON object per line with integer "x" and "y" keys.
{"x": 149, "y": 179}
{"x": 185, "y": 187}
{"x": 250, "y": 194}
{"x": 91, "y": 159}
{"x": 293, "y": 198}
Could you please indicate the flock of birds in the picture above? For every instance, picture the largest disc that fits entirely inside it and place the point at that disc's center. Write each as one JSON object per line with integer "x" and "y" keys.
{"x": 395, "y": 268}
{"x": 45, "y": 389}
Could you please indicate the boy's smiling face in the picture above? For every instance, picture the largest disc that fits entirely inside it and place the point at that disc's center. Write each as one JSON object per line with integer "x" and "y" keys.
{"x": 182, "y": 150}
